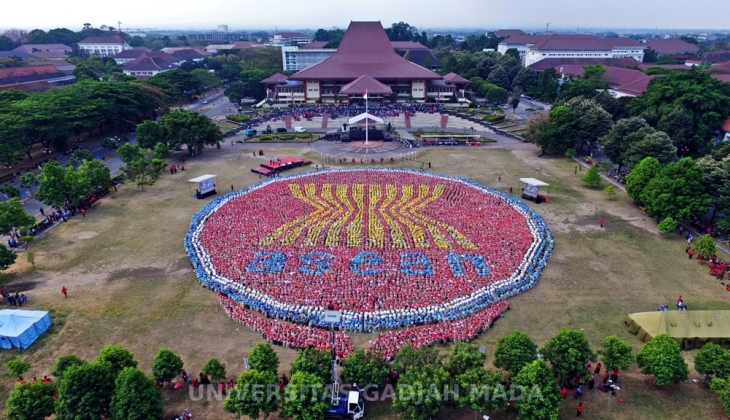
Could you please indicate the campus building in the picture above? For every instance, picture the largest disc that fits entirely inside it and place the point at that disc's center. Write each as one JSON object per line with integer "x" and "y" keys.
{"x": 365, "y": 61}
{"x": 533, "y": 48}
{"x": 289, "y": 39}
{"x": 102, "y": 45}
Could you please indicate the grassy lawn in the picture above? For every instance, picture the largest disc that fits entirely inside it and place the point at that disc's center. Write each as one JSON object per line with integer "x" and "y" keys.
{"x": 130, "y": 281}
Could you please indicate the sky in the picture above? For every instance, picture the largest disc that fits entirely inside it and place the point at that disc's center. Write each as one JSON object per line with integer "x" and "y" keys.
{"x": 424, "y": 14}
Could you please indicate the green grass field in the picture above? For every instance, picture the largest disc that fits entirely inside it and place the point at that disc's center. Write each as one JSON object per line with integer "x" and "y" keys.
{"x": 130, "y": 281}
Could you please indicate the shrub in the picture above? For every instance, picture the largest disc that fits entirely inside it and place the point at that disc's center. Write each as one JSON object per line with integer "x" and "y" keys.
{"x": 668, "y": 225}
{"x": 493, "y": 118}
{"x": 610, "y": 192}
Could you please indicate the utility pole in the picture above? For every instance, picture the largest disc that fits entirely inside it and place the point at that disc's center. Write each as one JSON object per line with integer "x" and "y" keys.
{"x": 547, "y": 28}
{"x": 121, "y": 36}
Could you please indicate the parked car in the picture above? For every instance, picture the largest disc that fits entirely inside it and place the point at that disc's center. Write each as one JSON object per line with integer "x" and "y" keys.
{"x": 250, "y": 132}
{"x": 281, "y": 130}
{"x": 300, "y": 130}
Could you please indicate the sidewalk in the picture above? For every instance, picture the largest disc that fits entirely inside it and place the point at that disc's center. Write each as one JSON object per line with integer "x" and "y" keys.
{"x": 720, "y": 244}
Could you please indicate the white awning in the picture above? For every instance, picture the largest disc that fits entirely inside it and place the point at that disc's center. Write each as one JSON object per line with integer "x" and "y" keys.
{"x": 535, "y": 182}
{"x": 202, "y": 178}
{"x": 371, "y": 117}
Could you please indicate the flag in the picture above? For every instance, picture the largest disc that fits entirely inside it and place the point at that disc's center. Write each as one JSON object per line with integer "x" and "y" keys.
{"x": 365, "y": 95}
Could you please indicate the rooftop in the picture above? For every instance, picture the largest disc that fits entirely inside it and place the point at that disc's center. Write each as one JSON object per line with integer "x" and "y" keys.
{"x": 408, "y": 45}
{"x": 505, "y": 33}
{"x": 16, "y": 75}
{"x": 671, "y": 46}
{"x": 547, "y": 63}
{"x": 275, "y": 79}
{"x": 365, "y": 49}
{"x": 291, "y": 35}
{"x": 455, "y": 78}
{"x": 524, "y": 39}
{"x": 100, "y": 40}
{"x": 316, "y": 45}
{"x": 364, "y": 84}
{"x": 151, "y": 61}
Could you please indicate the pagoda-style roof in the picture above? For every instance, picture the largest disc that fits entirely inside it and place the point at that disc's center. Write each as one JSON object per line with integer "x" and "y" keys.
{"x": 364, "y": 84}
{"x": 365, "y": 49}
{"x": 455, "y": 78}
{"x": 274, "y": 79}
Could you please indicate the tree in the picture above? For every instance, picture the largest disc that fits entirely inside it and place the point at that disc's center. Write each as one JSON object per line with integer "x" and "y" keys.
{"x": 161, "y": 151}
{"x": 495, "y": 94}
{"x": 592, "y": 177}
{"x": 27, "y": 180}
{"x": 676, "y": 191}
{"x": 678, "y": 126}
{"x": 7, "y": 257}
{"x": 10, "y": 190}
{"x": 128, "y": 153}
{"x": 639, "y": 177}
{"x": 711, "y": 360}
{"x": 255, "y": 392}
{"x": 263, "y": 358}
{"x": 705, "y": 245}
{"x": 668, "y": 225}
{"x": 408, "y": 358}
{"x": 592, "y": 122}
{"x": 464, "y": 357}
{"x": 657, "y": 144}
{"x": 705, "y": 99}
{"x": 13, "y": 216}
{"x": 622, "y": 136}
{"x": 64, "y": 363}
{"x": 166, "y": 365}
{"x": 62, "y": 187}
{"x": 214, "y": 369}
{"x": 544, "y": 398}
{"x": 17, "y": 367}
{"x": 31, "y": 401}
{"x": 662, "y": 357}
{"x": 553, "y": 134}
{"x": 716, "y": 181}
{"x": 96, "y": 174}
{"x": 721, "y": 387}
{"x": 525, "y": 78}
{"x": 302, "y": 400}
{"x": 365, "y": 368}
{"x": 18, "y": 36}
{"x": 514, "y": 103}
{"x": 191, "y": 129}
{"x": 117, "y": 357}
{"x": 514, "y": 351}
{"x": 586, "y": 84}
{"x": 610, "y": 105}
{"x": 498, "y": 76}
{"x": 30, "y": 257}
{"x": 570, "y": 153}
{"x": 149, "y": 133}
{"x": 569, "y": 352}
{"x": 481, "y": 384}
{"x": 85, "y": 392}
{"x": 402, "y": 31}
{"x": 84, "y": 72}
{"x": 420, "y": 392}
{"x": 615, "y": 353}
{"x": 136, "y": 41}
{"x": 610, "y": 192}
{"x": 313, "y": 362}
{"x": 547, "y": 86}
{"x": 135, "y": 397}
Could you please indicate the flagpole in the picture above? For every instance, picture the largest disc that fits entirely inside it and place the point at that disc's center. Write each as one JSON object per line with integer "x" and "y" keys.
{"x": 366, "y": 117}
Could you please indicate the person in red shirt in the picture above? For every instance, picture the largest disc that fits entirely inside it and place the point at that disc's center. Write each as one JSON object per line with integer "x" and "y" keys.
{"x": 602, "y": 221}
{"x": 598, "y": 369}
{"x": 579, "y": 410}
{"x": 564, "y": 392}
{"x": 64, "y": 290}
{"x": 46, "y": 379}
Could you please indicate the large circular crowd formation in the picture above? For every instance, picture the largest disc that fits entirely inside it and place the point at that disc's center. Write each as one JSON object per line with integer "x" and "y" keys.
{"x": 388, "y": 248}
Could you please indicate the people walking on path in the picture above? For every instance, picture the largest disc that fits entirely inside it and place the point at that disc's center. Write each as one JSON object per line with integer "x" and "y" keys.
{"x": 64, "y": 290}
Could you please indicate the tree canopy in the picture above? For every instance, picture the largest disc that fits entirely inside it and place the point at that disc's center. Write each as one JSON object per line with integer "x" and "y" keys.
{"x": 662, "y": 357}
{"x": 135, "y": 397}
{"x": 569, "y": 352}
{"x": 514, "y": 351}
{"x": 676, "y": 191}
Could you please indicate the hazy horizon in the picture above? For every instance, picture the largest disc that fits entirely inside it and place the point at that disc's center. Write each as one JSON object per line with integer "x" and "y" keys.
{"x": 429, "y": 15}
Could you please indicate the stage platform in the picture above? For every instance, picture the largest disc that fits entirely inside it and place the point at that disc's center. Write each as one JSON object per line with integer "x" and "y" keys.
{"x": 277, "y": 165}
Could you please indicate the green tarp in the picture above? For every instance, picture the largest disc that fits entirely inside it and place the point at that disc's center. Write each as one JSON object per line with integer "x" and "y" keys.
{"x": 691, "y": 329}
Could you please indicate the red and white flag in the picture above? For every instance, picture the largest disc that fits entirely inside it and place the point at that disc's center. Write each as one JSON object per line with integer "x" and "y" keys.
{"x": 365, "y": 95}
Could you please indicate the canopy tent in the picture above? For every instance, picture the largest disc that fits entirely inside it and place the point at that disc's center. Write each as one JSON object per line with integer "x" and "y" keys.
{"x": 19, "y": 328}
{"x": 530, "y": 189}
{"x": 370, "y": 117}
{"x": 206, "y": 185}
{"x": 691, "y": 329}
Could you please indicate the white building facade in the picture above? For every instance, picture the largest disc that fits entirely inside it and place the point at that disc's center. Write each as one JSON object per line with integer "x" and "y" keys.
{"x": 533, "y": 48}
{"x": 295, "y": 59}
{"x": 103, "y": 46}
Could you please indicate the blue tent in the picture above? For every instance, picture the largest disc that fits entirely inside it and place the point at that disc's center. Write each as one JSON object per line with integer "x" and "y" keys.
{"x": 19, "y": 328}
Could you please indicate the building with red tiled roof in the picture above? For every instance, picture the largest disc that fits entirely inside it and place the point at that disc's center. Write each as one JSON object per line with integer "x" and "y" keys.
{"x": 124, "y": 57}
{"x": 34, "y": 78}
{"x": 365, "y": 53}
{"x": 150, "y": 63}
{"x": 506, "y": 33}
{"x": 50, "y": 51}
{"x": 315, "y": 45}
{"x": 672, "y": 46}
{"x": 550, "y": 63}
{"x": 622, "y": 81}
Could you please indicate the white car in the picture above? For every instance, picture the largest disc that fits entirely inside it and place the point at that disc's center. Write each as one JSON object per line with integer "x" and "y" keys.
{"x": 300, "y": 130}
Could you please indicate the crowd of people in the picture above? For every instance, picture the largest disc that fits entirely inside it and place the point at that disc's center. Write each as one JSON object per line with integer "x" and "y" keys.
{"x": 264, "y": 248}
{"x": 338, "y": 111}
{"x": 465, "y": 329}
{"x": 285, "y": 334}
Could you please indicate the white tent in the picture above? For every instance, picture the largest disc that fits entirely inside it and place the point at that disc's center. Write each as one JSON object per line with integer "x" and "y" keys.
{"x": 356, "y": 119}
{"x": 530, "y": 190}
{"x": 19, "y": 328}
